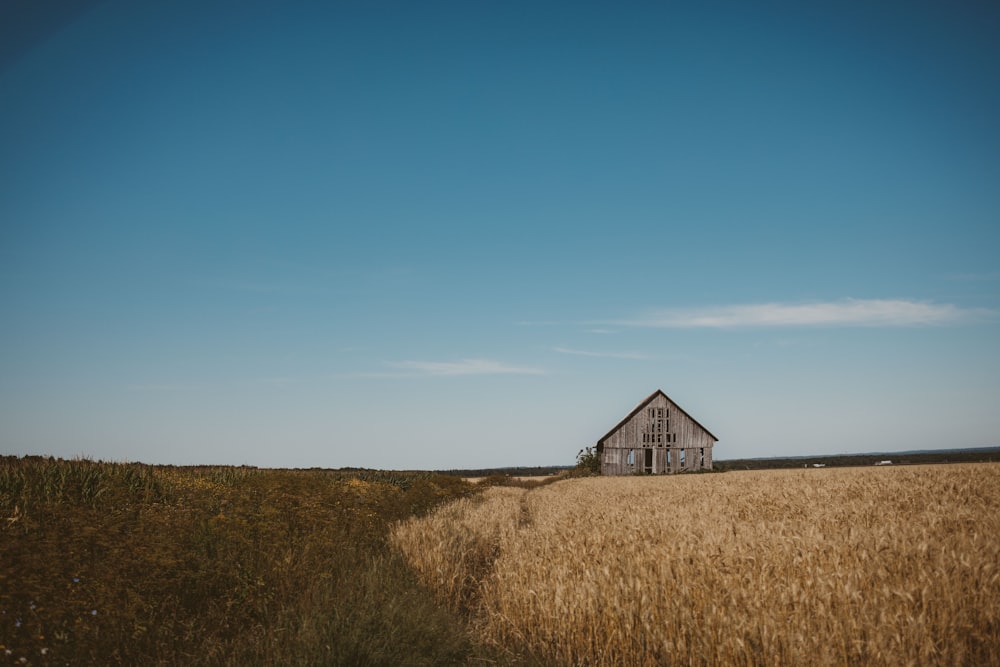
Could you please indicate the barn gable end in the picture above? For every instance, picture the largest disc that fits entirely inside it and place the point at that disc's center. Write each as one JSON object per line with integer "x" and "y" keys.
{"x": 657, "y": 437}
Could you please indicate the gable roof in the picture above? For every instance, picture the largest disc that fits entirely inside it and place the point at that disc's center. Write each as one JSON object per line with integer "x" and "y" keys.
{"x": 646, "y": 401}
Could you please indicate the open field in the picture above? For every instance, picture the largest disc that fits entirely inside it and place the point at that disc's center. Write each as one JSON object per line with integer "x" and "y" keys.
{"x": 106, "y": 563}
{"x": 862, "y": 566}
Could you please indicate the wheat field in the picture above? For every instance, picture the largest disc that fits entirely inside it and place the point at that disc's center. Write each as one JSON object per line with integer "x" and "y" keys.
{"x": 854, "y": 566}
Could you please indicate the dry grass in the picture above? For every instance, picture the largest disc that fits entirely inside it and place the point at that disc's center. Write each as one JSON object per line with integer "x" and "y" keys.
{"x": 455, "y": 548}
{"x": 516, "y": 480}
{"x": 879, "y": 566}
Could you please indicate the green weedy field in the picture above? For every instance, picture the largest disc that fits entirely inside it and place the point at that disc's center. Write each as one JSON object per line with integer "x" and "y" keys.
{"x": 114, "y": 563}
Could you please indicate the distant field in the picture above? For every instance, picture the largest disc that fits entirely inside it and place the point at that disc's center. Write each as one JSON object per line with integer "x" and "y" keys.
{"x": 922, "y": 457}
{"x": 541, "y": 479}
{"x": 865, "y": 566}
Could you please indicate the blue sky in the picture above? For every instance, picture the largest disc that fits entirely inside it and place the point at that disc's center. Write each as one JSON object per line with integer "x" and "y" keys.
{"x": 476, "y": 234}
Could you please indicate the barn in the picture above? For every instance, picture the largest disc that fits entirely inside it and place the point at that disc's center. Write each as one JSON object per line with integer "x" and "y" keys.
{"x": 657, "y": 437}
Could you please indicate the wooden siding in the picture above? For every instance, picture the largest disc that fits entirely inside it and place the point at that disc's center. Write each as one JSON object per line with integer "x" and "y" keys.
{"x": 662, "y": 426}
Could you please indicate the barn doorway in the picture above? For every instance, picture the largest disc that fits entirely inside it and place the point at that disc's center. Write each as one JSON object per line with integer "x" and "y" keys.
{"x": 647, "y": 463}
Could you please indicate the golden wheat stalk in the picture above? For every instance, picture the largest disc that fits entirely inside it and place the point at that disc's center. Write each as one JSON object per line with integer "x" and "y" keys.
{"x": 874, "y": 566}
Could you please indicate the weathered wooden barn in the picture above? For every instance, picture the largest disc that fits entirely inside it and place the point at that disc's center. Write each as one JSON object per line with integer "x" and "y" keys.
{"x": 657, "y": 437}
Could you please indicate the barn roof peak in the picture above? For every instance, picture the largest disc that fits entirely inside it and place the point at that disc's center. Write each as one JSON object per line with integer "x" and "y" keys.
{"x": 646, "y": 401}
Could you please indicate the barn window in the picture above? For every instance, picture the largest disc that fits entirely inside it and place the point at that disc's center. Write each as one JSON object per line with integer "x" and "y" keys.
{"x": 683, "y": 459}
{"x": 630, "y": 459}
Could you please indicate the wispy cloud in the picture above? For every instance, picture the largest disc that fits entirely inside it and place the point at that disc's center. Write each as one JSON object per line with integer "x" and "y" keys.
{"x": 464, "y": 367}
{"x": 847, "y": 312}
{"x": 606, "y": 355}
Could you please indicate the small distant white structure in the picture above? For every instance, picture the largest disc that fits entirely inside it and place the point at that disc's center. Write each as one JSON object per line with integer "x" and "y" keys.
{"x": 819, "y": 465}
{"x": 883, "y": 463}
